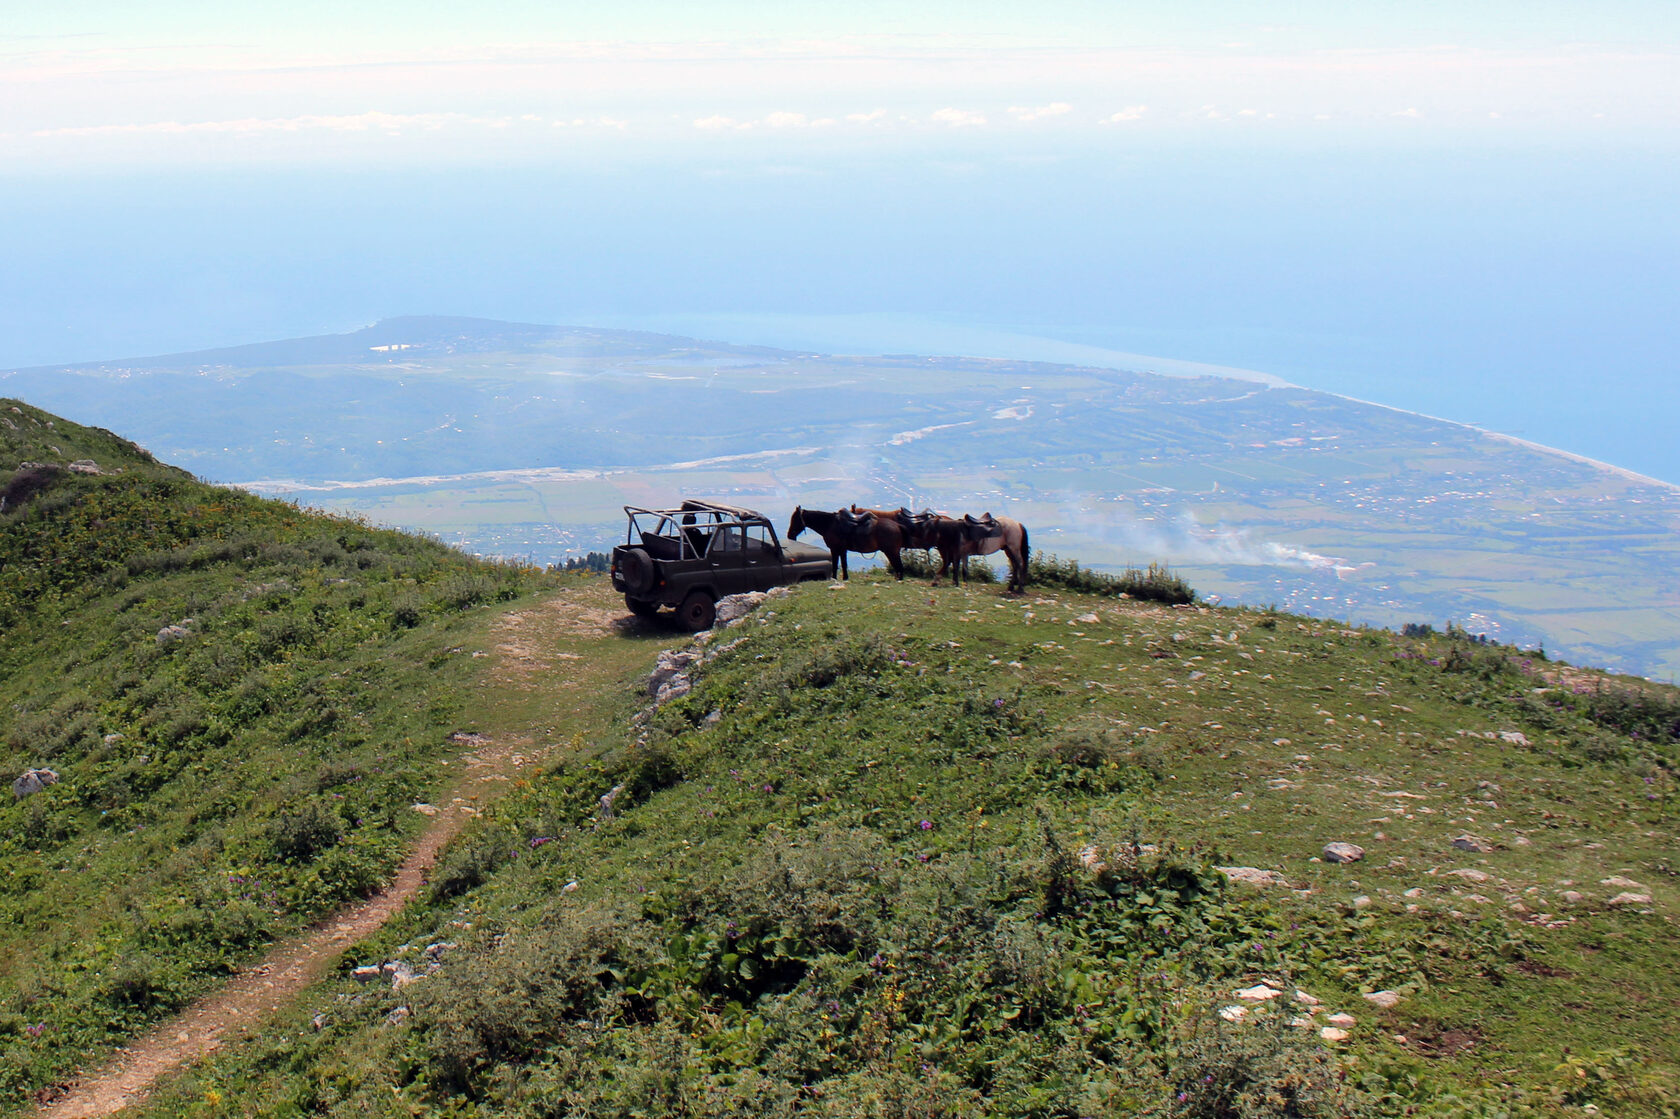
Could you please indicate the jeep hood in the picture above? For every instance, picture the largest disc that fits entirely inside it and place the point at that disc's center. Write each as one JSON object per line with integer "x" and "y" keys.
{"x": 795, "y": 551}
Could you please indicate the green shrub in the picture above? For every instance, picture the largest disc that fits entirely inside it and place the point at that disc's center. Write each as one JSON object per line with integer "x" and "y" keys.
{"x": 509, "y": 997}
{"x": 1265, "y": 1069}
{"x": 301, "y": 835}
{"x": 1157, "y": 584}
{"x": 469, "y": 862}
{"x": 919, "y": 564}
{"x": 1648, "y": 715}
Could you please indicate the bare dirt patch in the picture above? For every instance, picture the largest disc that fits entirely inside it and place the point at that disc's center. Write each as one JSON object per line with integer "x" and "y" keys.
{"x": 1543, "y": 971}
{"x": 526, "y": 641}
{"x": 1440, "y": 1042}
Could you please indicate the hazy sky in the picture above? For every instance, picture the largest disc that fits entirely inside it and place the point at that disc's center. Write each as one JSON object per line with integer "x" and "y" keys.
{"x": 171, "y": 82}
{"x": 1467, "y": 209}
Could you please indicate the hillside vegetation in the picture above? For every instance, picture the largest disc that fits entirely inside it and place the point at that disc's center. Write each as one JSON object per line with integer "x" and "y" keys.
{"x": 239, "y": 700}
{"x": 898, "y": 851}
{"x": 949, "y": 853}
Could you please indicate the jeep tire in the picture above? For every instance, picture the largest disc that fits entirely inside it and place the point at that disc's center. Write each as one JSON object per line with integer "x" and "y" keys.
{"x": 697, "y": 611}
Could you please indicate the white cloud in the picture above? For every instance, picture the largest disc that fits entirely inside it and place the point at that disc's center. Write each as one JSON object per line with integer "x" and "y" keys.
{"x": 1411, "y": 113}
{"x": 867, "y": 118}
{"x": 1130, "y": 112}
{"x": 392, "y": 123}
{"x": 958, "y": 118}
{"x": 780, "y": 121}
{"x": 1054, "y": 109}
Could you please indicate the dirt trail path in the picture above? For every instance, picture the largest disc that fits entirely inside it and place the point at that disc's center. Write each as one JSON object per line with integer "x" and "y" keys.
{"x": 525, "y": 653}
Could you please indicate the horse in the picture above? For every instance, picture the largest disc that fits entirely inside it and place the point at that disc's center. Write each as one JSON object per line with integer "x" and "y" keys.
{"x": 981, "y": 536}
{"x": 918, "y": 530}
{"x": 844, "y": 531}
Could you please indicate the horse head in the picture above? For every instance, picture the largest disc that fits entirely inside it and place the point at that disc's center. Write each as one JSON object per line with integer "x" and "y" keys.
{"x": 797, "y": 524}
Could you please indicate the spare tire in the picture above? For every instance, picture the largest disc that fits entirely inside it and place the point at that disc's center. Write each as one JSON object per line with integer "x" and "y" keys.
{"x": 635, "y": 567}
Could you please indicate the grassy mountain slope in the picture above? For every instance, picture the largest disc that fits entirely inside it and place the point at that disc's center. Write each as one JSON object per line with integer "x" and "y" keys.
{"x": 904, "y": 852}
{"x": 240, "y": 700}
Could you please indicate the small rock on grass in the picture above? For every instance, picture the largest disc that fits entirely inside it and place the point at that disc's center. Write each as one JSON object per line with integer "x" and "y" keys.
{"x": 1254, "y": 876}
{"x": 1628, "y": 898}
{"x": 1384, "y": 999}
{"x": 1471, "y": 843}
{"x": 1343, "y": 852}
{"x": 1331, "y": 1033}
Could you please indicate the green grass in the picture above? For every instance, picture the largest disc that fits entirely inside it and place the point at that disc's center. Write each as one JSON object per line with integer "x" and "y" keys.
{"x": 847, "y": 875}
{"x": 223, "y": 781}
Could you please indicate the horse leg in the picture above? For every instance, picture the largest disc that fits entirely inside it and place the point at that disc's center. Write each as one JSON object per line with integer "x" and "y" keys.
{"x": 894, "y": 562}
{"x": 944, "y": 563}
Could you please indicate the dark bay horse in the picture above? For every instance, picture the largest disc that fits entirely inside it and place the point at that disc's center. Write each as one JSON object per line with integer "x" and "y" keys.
{"x": 918, "y": 530}
{"x": 844, "y": 531}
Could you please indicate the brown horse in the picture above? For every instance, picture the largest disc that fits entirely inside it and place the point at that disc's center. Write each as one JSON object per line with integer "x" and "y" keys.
{"x": 844, "y": 531}
{"x": 918, "y": 530}
{"x": 959, "y": 538}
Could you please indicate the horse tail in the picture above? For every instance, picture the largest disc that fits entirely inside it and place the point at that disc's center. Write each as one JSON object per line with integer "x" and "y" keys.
{"x": 1026, "y": 556}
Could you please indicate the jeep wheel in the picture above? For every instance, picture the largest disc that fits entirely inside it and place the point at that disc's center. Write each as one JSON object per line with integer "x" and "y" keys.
{"x": 641, "y": 607}
{"x": 635, "y": 567}
{"x": 697, "y": 611}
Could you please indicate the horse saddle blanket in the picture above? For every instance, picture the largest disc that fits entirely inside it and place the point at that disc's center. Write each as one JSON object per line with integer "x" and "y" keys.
{"x": 981, "y": 528}
{"x": 854, "y": 526}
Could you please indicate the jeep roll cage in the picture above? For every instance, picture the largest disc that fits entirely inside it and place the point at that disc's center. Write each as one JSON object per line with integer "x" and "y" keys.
{"x": 686, "y": 532}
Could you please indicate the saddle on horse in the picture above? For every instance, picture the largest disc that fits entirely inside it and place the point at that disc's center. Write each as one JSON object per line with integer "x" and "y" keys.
{"x": 912, "y": 521}
{"x": 854, "y": 528}
{"x": 980, "y": 528}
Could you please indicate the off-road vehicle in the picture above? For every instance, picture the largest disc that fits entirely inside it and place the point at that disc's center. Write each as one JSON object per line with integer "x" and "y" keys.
{"x": 692, "y": 556}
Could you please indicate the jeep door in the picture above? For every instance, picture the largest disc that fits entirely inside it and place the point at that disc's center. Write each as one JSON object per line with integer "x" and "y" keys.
{"x": 764, "y": 558}
{"x": 732, "y": 572}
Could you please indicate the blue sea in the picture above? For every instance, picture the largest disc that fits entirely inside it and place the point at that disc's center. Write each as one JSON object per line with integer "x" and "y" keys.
{"x": 1530, "y": 290}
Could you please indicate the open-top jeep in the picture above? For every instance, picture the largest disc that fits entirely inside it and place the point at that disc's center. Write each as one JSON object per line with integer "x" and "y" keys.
{"x": 694, "y": 555}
